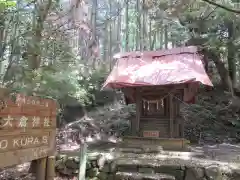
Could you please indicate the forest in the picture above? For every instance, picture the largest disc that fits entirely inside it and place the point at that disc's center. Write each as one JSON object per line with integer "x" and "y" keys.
{"x": 64, "y": 49}
{"x": 73, "y": 42}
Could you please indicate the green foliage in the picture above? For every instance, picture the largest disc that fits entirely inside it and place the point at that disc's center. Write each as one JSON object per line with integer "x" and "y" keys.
{"x": 7, "y": 3}
{"x": 92, "y": 84}
{"x": 61, "y": 75}
{"x": 61, "y": 84}
{"x": 64, "y": 73}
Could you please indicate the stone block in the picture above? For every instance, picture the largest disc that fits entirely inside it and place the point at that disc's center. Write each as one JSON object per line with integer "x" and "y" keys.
{"x": 77, "y": 159}
{"x": 235, "y": 175}
{"x": 131, "y": 150}
{"x": 59, "y": 165}
{"x": 109, "y": 167}
{"x": 66, "y": 171}
{"x": 95, "y": 178}
{"x": 195, "y": 174}
{"x": 106, "y": 168}
{"x": 102, "y": 176}
{"x": 152, "y": 148}
{"x": 88, "y": 165}
{"x": 176, "y": 171}
{"x": 61, "y": 156}
{"x": 71, "y": 164}
{"x": 146, "y": 170}
{"x": 213, "y": 172}
{"x": 92, "y": 172}
{"x": 111, "y": 177}
{"x": 142, "y": 176}
{"x": 94, "y": 164}
{"x": 93, "y": 156}
{"x": 168, "y": 168}
{"x": 127, "y": 168}
{"x": 101, "y": 161}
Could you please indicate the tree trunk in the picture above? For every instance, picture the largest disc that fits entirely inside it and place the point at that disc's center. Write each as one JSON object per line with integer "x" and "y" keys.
{"x": 119, "y": 22}
{"x": 105, "y": 43}
{"x": 94, "y": 23}
{"x": 94, "y": 17}
{"x": 231, "y": 53}
{"x": 150, "y": 34}
{"x": 34, "y": 50}
{"x": 144, "y": 26}
{"x": 110, "y": 39}
{"x": 161, "y": 37}
{"x": 126, "y": 27}
{"x": 153, "y": 43}
{"x": 34, "y": 53}
{"x": 222, "y": 70}
{"x": 166, "y": 36}
{"x": 138, "y": 36}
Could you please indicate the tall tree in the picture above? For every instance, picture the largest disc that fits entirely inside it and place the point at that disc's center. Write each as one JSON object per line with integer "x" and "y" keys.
{"x": 127, "y": 26}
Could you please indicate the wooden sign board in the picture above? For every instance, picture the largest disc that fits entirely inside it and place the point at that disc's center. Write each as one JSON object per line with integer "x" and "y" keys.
{"x": 154, "y": 134}
{"x": 27, "y": 129}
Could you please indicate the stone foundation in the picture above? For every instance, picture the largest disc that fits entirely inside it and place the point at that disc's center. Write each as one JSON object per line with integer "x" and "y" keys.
{"x": 151, "y": 166}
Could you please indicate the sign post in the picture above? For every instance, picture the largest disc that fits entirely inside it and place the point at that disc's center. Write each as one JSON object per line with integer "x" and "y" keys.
{"x": 27, "y": 131}
{"x": 82, "y": 162}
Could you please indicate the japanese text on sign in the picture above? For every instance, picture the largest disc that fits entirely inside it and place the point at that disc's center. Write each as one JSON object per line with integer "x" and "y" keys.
{"x": 24, "y": 122}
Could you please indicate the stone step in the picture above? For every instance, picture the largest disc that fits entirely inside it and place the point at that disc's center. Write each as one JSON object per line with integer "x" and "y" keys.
{"x": 166, "y": 143}
{"x": 139, "y": 148}
{"x": 157, "y": 151}
{"x": 160, "y": 156}
{"x": 149, "y": 166}
{"x": 142, "y": 176}
{"x": 174, "y": 170}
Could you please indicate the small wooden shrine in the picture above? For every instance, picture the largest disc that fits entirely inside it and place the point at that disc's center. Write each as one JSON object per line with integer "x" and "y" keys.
{"x": 158, "y": 83}
{"x": 157, "y": 111}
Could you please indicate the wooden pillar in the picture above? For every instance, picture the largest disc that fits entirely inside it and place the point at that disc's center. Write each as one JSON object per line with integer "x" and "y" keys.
{"x": 133, "y": 127}
{"x": 182, "y": 120}
{"x": 176, "y": 120}
{"x": 33, "y": 167}
{"x": 41, "y": 169}
{"x": 182, "y": 127}
{"x": 50, "y": 170}
{"x": 138, "y": 110}
{"x": 171, "y": 115}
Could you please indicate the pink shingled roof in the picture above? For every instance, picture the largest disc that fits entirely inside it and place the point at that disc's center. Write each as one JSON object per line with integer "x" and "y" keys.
{"x": 165, "y": 67}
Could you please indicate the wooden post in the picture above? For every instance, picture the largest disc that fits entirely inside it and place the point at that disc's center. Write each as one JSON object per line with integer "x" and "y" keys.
{"x": 138, "y": 110}
{"x": 133, "y": 127}
{"x": 33, "y": 167}
{"x": 83, "y": 162}
{"x": 182, "y": 127}
{"x": 176, "y": 124}
{"x": 182, "y": 120}
{"x": 171, "y": 115}
{"x": 50, "y": 170}
{"x": 41, "y": 169}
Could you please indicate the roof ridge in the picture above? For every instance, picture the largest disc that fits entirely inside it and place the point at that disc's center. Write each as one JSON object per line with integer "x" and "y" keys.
{"x": 178, "y": 50}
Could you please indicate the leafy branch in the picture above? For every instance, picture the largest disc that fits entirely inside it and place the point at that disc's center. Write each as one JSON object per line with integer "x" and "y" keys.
{"x": 222, "y": 6}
